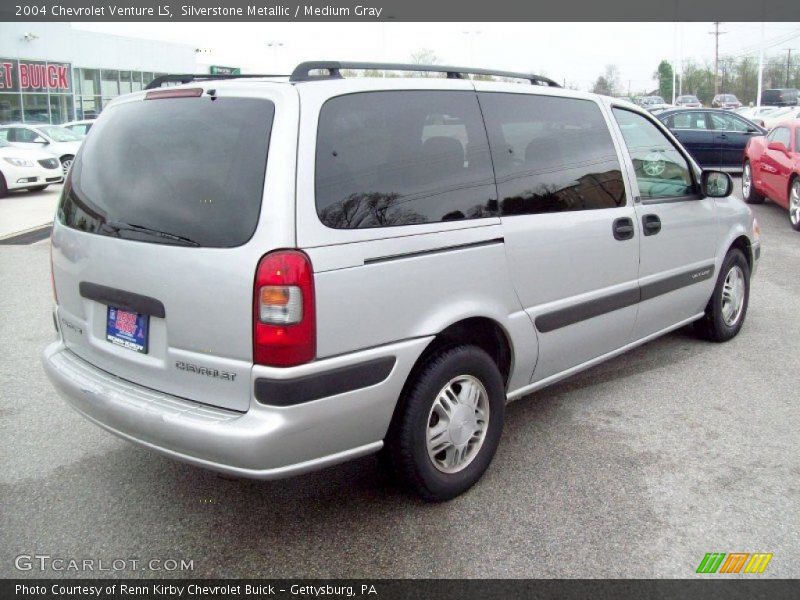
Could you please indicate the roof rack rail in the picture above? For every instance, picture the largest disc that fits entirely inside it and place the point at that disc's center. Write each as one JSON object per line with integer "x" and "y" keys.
{"x": 189, "y": 77}
{"x": 303, "y": 71}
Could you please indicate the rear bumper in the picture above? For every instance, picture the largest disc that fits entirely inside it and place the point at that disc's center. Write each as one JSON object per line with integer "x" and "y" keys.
{"x": 266, "y": 442}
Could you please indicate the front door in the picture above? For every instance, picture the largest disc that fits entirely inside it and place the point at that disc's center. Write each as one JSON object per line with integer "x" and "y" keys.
{"x": 678, "y": 241}
{"x": 731, "y": 136}
{"x": 568, "y": 223}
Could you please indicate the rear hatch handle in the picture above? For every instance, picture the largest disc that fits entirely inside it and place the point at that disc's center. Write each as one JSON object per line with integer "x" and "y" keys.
{"x": 121, "y": 299}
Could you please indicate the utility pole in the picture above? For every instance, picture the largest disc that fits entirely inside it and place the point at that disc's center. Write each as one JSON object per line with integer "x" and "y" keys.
{"x": 716, "y": 33}
{"x": 788, "y": 65}
{"x": 760, "y": 67}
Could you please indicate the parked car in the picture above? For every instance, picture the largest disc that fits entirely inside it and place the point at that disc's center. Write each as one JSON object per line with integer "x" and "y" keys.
{"x": 81, "y": 127}
{"x": 715, "y": 138}
{"x": 26, "y": 169}
{"x": 56, "y": 140}
{"x": 652, "y": 103}
{"x": 755, "y": 114}
{"x": 781, "y": 97}
{"x": 688, "y": 101}
{"x": 728, "y": 101}
{"x": 772, "y": 169}
{"x": 785, "y": 113}
{"x": 264, "y": 290}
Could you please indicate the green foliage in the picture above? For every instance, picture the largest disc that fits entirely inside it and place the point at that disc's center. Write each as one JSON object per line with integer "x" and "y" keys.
{"x": 663, "y": 75}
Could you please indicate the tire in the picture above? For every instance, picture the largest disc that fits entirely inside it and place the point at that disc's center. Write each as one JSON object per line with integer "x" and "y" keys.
{"x": 38, "y": 188}
{"x": 3, "y": 187}
{"x": 794, "y": 203}
{"x": 66, "y": 163}
{"x": 751, "y": 195}
{"x": 476, "y": 396}
{"x": 721, "y": 321}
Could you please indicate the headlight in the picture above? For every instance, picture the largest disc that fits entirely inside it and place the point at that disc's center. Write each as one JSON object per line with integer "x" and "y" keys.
{"x": 18, "y": 162}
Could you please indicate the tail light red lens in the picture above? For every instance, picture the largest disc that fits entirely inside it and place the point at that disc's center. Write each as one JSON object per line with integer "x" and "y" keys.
{"x": 284, "y": 318}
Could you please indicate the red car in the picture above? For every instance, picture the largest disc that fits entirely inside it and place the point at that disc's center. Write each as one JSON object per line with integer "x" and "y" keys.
{"x": 772, "y": 169}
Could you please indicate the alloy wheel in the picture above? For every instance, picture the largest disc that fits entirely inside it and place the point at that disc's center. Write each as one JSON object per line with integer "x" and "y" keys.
{"x": 457, "y": 424}
{"x": 733, "y": 292}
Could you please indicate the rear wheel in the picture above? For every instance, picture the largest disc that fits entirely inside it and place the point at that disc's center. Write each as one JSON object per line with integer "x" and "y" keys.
{"x": 794, "y": 203}
{"x": 3, "y": 187}
{"x": 727, "y": 308}
{"x": 751, "y": 195}
{"x": 66, "y": 163}
{"x": 450, "y": 423}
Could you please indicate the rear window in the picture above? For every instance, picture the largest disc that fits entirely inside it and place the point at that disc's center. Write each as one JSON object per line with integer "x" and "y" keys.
{"x": 185, "y": 171}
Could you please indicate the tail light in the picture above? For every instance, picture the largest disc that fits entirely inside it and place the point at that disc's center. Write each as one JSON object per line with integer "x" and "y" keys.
{"x": 284, "y": 319}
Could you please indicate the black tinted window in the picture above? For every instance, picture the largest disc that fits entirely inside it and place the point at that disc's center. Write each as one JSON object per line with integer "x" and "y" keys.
{"x": 178, "y": 170}
{"x": 402, "y": 158}
{"x": 551, "y": 154}
{"x": 782, "y": 135}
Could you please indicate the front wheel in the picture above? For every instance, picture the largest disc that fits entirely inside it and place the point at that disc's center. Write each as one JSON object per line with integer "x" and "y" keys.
{"x": 794, "y": 204}
{"x": 727, "y": 308}
{"x": 449, "y": 424}
{"x": 66, "y": 163}
{"x": 751, "y": 195}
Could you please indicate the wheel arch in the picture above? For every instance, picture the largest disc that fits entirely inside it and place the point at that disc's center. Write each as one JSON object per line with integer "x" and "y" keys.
{"x": 483, "y": 332}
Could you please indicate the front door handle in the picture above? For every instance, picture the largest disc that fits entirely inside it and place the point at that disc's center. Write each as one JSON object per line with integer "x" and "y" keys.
{"x": 622, "y": 228}
{"x": 651, "y": 224}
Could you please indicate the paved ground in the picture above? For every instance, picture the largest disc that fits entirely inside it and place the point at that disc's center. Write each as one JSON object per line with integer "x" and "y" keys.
{"x": 23, "y": 210}
{"x": 636, "y": 468}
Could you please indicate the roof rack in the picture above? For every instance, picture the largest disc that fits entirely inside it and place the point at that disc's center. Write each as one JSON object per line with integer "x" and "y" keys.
{"x": 189, "y": 77}
{"x": 303, "y": 71}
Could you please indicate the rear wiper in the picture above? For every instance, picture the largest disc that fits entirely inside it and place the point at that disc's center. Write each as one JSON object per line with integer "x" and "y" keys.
{"x": 120, "y": 226}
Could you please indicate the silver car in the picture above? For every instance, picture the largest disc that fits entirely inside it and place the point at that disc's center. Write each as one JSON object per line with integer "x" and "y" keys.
{"x": 266, "y": 276}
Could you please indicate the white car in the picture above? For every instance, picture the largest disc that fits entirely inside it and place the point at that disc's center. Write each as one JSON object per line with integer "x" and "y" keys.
{"x": 786, "y": 113}
{"x": 81, "y": 127}
{"x": 54, "y": 139}
{"x": 23, "y": 168}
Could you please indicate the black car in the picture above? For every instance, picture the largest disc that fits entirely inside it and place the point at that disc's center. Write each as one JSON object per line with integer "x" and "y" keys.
{"x": 780, "y": 97}
{"x": 714, "y": 138}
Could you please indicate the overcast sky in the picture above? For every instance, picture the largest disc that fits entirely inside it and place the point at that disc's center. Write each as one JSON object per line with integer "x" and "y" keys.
{"x": 575, "y": 52}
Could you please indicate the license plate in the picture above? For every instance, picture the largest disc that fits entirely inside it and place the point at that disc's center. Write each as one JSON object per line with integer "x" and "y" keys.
{"x": 127, "y": 329}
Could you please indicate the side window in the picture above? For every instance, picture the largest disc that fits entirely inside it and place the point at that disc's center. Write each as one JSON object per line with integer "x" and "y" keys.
{"x": 402, "y": 158}
{"x": 689, "y": 120}
{"x": 661, "y": 171}
{"x": 551, "y": 154}
{"x": 781, "y": 134}
{"x": 723, "y": 122}
{"x": 4, "y": 134}
{"x": 25, "y": 135}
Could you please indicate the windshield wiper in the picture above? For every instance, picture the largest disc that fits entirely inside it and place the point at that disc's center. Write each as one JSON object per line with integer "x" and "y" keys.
{"x": 120, "y": 226}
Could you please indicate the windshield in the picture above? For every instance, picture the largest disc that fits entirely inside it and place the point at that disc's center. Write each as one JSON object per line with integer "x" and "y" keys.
{"x": 59, "y": 134}
{"x": 185, "y": 171}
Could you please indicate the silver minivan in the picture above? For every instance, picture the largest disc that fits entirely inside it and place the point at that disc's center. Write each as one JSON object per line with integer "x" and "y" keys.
{"x": 266, "y": 276}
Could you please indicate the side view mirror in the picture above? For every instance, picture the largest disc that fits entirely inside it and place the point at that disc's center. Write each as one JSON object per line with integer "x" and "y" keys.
{"x": 752, "y": 130}
{"x": 778, "y": 147}
{"x": 716, "y": 184}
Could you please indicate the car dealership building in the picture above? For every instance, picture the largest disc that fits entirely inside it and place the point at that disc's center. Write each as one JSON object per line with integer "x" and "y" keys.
{"x": 52, "y": 73}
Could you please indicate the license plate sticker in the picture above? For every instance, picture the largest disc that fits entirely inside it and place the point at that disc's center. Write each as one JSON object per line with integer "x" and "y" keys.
{"x": 127, "y": 329}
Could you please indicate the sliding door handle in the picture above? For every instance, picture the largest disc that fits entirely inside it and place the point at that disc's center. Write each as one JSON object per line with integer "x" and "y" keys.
{"x": 622, "y": 229}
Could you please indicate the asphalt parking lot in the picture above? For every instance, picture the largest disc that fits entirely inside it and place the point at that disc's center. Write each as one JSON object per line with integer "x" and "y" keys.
{"x": 635, "y": 468}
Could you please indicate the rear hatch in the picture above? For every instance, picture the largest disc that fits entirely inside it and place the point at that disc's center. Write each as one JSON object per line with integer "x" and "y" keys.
{"x": 155, "y": 244}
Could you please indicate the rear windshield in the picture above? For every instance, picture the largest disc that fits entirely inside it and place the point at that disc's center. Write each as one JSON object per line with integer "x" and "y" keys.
{"x": 185, "y": 171}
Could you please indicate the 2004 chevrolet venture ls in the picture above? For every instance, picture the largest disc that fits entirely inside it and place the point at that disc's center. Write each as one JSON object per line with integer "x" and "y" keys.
{"x": 266, "y": 276}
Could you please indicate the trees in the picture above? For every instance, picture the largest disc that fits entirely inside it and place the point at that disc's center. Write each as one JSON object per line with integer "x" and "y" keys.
{"x": 607, "y": 83}
{"x": 663, "y": 75}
